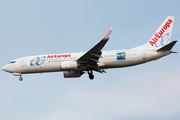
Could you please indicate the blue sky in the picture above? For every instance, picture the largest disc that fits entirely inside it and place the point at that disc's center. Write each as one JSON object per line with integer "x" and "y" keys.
{"x": 31, "y": 27}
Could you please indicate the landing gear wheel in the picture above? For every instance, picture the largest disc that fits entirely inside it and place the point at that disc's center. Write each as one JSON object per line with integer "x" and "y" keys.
{"x": 91, "y": 76}
{"x": 20, "y": 78}
{"x": 90, "y": 72}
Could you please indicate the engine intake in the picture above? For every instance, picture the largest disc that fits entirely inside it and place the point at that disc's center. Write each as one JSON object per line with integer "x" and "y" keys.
{"x": 72, "y": 74}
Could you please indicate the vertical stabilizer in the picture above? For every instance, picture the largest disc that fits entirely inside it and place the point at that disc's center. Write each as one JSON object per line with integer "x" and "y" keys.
{"x": 162, "y": 36}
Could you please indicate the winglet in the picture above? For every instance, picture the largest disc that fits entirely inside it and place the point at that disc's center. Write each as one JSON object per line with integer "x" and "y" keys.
{"x": 109, "y": 33}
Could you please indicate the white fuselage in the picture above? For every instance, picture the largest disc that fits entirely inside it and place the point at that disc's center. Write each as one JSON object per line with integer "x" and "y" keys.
{"x": 109, "y": 59}
{"x": 74, "y": 64}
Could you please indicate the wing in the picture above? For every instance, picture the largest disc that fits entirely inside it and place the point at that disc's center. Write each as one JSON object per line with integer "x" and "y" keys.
{"x": 90, "y": 58}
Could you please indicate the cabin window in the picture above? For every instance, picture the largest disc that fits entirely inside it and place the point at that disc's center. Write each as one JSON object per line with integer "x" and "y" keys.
{"x": 12, "y": 62}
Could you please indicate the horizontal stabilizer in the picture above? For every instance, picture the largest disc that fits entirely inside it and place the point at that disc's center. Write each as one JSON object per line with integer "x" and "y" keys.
{"x": 173, "y": 52}
{"x": 167, "y": 47}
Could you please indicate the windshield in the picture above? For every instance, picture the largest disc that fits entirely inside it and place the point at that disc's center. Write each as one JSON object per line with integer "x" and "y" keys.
{"x": 12, "y": 62}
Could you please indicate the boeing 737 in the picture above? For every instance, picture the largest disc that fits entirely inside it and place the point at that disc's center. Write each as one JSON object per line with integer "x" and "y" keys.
{"x": 76, "y": 64}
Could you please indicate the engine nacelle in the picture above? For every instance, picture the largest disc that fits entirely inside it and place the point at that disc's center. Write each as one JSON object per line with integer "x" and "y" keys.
{"x": 72, "y": 74}
{"x": 68, "y": 65}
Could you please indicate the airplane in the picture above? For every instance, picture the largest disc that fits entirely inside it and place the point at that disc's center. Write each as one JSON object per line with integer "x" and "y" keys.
{"x": 76, "y": 64}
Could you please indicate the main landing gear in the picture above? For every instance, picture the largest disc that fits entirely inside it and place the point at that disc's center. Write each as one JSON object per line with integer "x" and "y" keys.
{"x": 91, "y": 76}
{"x": 20, "y": 78}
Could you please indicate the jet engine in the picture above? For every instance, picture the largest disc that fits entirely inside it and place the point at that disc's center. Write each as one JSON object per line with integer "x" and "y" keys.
{"x": 68, "y": 65}
{"x": 72, "y": 74}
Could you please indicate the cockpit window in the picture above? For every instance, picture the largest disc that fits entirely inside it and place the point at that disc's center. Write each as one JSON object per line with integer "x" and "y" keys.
{"x": 12, "y": 62}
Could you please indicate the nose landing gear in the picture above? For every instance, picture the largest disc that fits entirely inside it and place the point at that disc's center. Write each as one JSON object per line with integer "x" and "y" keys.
{"x": 20, "y": 78}
{"x": 18, "y": 74}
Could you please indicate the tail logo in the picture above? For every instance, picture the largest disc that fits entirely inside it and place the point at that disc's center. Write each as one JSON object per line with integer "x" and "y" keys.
{"x": 163, "y": 41}
{"x": 160, "y": 33}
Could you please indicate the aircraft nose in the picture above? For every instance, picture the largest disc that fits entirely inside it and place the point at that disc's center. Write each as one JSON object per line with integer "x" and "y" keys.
{"x": 5, "y": 68}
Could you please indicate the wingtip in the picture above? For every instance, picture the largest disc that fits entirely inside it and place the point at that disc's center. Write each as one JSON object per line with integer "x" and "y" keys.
{"x": 111, "y": 27}
{"x": 109, "y": 32}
